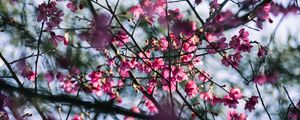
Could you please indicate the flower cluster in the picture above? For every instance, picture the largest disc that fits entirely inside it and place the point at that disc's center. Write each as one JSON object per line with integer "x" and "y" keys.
{"x": 251, "y": 103}
{"x": 264, "y": 78}
{"x": 50, "y": 14}
{"x": 231, "y": 100}
{"x": 233, "y": 115}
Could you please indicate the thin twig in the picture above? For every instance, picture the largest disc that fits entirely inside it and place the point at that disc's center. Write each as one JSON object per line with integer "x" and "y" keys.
{"x": 262, "y": 102}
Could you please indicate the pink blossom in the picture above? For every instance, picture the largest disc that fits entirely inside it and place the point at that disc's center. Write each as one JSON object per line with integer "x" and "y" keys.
{"x": 232, "y": 99}
{"x": 263, "y": 15}
{"x": 151, "y": 85}
{"x": 77, "y": 117}
{"x": 189, "y": 47}
{"x": 215, "y": 100}
{"x": 293, "y": 113}
{"x": 241, "y": 42}
{"x": 26, "y": 70}
{"x": 49, "y": 76}
{"x": 197, "y": 61}
{"x": 163, "y": 44}
{"x": 262, "y": 79}
{"x": 95, "y": 75}
{"x": 124, "y": 69}
{"x": 232, "y": 60}
{"x": 151, "y": 106}
{"x": 184, "y": 27}
{"x": 69, "y": 86}
{"x": 60, "y": 77}
{"x": 223, "y": 20}
{"x": 30, "y": 75}
{"x": 179, "y": 74}
{"x": 203, "y": 76}
{"x": 56, "y": 38}
{"x": 235, "y": 93}
{"x": 121, "y": 38}
{"x": 191, "y": 88}
{"x": 72, "y": 7}
{"x": 251, "y": 103}
{"x": 187, "y": 58}
{"x": 219, "y": 45}
{"x": 262, "y": 52}
{"x": 157, "y": 64}
{"x": 42, "y": 12}
{"x": 207, "y": 96}
{"x": 99, "y": 37}
{"x": 50, "y": 14}
{"x": 137, "y": 11}
{"x": 233, "y": 115}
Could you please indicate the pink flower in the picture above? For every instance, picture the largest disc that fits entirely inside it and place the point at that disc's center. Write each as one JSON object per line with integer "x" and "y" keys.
{"x": 77, "y": 117}
{"x": 124, "y": 69}
{"x": 233, "y": 60}
{"x": 197, "y": 61}
{"x": 72, "y": 7}
{"x": 262, "y": 52}
{"x": 191, "y": 88}
{"x": 121, "y": 38}
{"x": 157, "y": 64}
{"x": 263, "y": 15}
{"x": 293, "y": 113}
{"x": 207, "y": 96}
{"x": 151, "y": 106}
{"x": 235, "y": 93}
{"x": 175, "y": 15}
{"x": 163, "y": 44}
{"x": 49, "y": 76}
{"x": 151, "y": 85}
{"x": 241, "y": 42}
{"x": 217, "y": 45}
{"x": 42, "y": 12}
{"x": 30, "y": 75}
{"x": 189, "y": 47}
{"x": 137, "y": 11}
{"x": 99, "y": 37}
{"x": 233, "y": 115}
{"x": 187, "y": 58}
{"x": 232, "y": 99}
{"x": 184, "y": 27}
{"x": 262, "y": 79}
{"x": 251, "y": 103}
{"x": 203, "y": 76}
{"x": 56, "y": 38}
{"x": 50, "y": 14}
{"x": 69, "y": 86}
{"x": 179, "y": 74}
{"x": 60, "y": 77}
{"x": 95, "y": 75}
{"x": 26, "y": 70}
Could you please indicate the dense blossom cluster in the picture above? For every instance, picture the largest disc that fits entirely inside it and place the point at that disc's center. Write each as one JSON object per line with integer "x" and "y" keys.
{"x": 170, "y": 62}
{"x": 183, "y": 37}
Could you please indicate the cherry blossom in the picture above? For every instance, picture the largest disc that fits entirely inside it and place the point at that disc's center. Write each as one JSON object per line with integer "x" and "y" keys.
{"x": 251, "y": 103}
{"x": 77, "y": 117}
{"x": 151, "y": 106}
{"x": 191, "y": 88}
{"x": 233, "y": 115}
{"x": 231, "y": 100}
